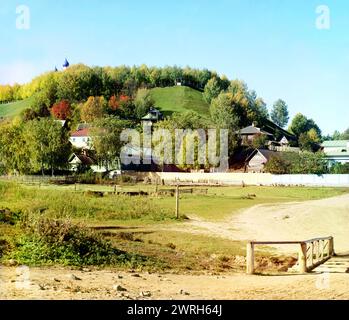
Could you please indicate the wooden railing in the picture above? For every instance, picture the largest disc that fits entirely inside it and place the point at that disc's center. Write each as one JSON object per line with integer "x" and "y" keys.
{"x": 311, "y": 254}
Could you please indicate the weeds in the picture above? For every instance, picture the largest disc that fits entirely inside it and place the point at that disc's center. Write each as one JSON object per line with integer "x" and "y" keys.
{"x": 47, "y": 241}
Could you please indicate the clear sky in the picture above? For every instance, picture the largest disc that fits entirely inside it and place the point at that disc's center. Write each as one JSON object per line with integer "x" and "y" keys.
{"x": 273, "y": 45}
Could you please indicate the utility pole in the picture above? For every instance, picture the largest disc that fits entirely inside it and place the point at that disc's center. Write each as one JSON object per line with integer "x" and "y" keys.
{"x": 177, "y": 201}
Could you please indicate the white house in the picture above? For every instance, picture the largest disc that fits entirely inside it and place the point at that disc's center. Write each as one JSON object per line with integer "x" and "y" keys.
{"x": 81, "y": 139}
{"x": 337, "y": 150}
{"x": 77, "y": 161}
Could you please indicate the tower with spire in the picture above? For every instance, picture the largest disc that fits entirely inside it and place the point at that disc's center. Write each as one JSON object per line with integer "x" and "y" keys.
{"x": 65, "y": 64}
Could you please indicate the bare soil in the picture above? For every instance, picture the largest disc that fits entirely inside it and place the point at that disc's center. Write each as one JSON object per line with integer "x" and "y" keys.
{"x": 57, "y": 284}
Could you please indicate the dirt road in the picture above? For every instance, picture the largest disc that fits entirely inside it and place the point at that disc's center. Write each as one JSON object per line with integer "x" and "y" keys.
{"x": 282, "y": 222}
{"x": 64, "y": 284}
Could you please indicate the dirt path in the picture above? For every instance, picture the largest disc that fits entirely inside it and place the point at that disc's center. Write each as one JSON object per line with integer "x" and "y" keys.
{"x": 57, "y": 283}
{"x": 286, "y": 221}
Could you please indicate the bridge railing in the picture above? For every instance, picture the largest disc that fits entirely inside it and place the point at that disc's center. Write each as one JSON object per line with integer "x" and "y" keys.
{"x": 311, "y": 254}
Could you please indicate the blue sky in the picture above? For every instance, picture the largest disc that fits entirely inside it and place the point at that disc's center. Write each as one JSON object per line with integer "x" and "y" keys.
{"x": 273, "y": 45}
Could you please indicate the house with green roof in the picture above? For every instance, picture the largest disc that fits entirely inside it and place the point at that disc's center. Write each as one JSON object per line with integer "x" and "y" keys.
{"x": 336, "y": 151}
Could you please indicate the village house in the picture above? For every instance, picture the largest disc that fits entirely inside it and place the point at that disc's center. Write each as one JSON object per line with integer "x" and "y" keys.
{"x": 257, "y": 160}
{"x": 79, "y": 162}
{"x": 250, "y": 133}
{"x": 81, "y": 139}
{"x": 336, "y": 151}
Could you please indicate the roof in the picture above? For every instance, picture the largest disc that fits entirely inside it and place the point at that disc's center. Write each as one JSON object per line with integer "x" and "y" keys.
{"x": 150, "y": 116}
{"x": 81, "y": 133}
{"x": 337, "y": 154}
{"x": 62, "y": 122}
{"x": 335, "y": 144}
{"x": 253, "y": 130}
{"x": 153, "y": 115}
{"x": 84, "y": 159}
{"x": 267, "y": 154}
{"x": 239, "y": 158}
{"x": 273, "y": 127}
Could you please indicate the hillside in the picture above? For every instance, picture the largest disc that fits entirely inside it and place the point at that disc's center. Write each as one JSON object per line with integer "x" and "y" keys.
{"x": 179, "y": 99}
{"x": 10, "y": 110}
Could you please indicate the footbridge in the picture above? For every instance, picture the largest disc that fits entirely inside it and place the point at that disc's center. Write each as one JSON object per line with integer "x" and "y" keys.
{"x": 312, "y": 254}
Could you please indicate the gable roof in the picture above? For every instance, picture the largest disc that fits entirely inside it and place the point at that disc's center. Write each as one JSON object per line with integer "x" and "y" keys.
{"x": 266, "y": 154}
{"x": 253, "y": 130}
{"x": 81, "y": 133}
{"x": 153, "y": 115}
{"x": 335, "y": 144}
{"x": 273, "y": 127}
{"x": 81, "y": 158}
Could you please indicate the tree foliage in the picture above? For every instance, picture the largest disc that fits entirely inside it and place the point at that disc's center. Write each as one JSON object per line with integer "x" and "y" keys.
{"x": 301, "y": 124}
{"x": 279, "y": 113}
{"x": 47, "y": 144}
{"x": 143, "y": 103}
{"x": 61, "y": 110}
{"x": 105, "y": 135}
{"x": 212, "y": 89}
{"x": 94, "y": 108}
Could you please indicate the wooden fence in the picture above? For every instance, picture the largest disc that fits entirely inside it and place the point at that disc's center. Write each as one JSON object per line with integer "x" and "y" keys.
{"x": 311, "y": 254}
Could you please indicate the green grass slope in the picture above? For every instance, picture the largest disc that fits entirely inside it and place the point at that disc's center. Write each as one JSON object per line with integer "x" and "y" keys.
{"x": 12, "y": 109}
{"x": 179, "y": 99}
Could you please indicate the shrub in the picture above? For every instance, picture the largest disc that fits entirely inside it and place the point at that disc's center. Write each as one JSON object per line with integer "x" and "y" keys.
{"x": 4, "y": 247}
{"x": 294, "y": 163}
{"x": 9, "y": 217}
{"x": 57, "y": 242}
{"x": 277, "y": 165}
{"x": 339, "y": 168}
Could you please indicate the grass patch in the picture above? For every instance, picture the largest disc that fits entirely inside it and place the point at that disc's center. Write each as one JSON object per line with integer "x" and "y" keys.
{"x": 179, "y": 99}
{"x": 183, "y": 252}
{"x": 12, "y": 109}
{"x": 64, "y": 204}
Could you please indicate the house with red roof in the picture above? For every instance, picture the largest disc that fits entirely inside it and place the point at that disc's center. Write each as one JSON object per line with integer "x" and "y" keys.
{"x": 81, "y": 139}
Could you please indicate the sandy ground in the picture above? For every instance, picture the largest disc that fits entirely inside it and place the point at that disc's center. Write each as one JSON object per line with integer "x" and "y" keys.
{"x": 293, "y": 221}
{"x": 57, "y": 283}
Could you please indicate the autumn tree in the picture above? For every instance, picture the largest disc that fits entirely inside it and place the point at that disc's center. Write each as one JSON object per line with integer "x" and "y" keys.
{"x": 94, "y": 108}
{"x": 61, "y": 110}
{"x": 114, "y": 103}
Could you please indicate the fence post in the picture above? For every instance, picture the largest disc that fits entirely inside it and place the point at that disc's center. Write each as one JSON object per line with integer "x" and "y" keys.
{"x": 250, "y": 258}
{"x": 302, "y": 258}
{"x": 331, "y": 246}
{"x": 322, "y": 249}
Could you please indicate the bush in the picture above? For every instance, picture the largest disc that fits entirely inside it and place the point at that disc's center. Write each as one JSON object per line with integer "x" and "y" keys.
{"x": 297, "y": 163}
{"x": 57, "y": 242}
{"x": 4, "y": 247}
{"x": 9, "y": 217}
{"x": 277, "y": 165}
{"x": 339, "y": 168}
